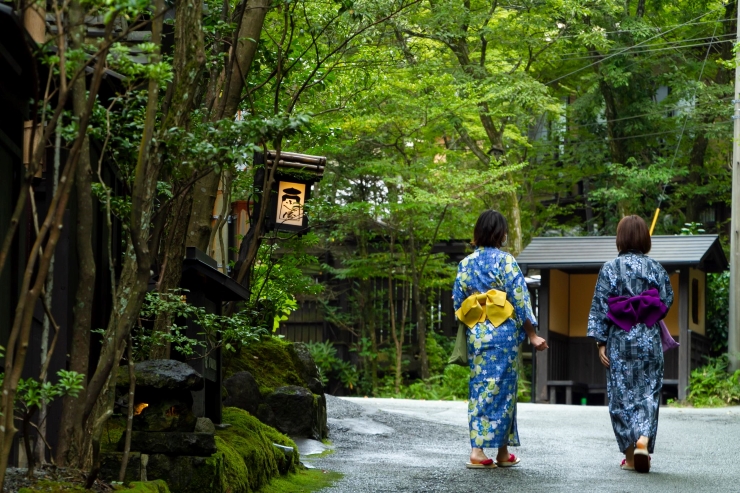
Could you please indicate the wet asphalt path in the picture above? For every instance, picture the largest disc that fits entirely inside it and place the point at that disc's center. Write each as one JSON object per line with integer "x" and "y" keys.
{"x": 396, "y": 445}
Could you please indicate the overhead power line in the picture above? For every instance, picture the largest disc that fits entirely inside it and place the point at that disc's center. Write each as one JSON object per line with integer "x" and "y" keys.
{"x": 686, "y": 43}
{"x": 630, "y": 47}
{"x": 566, "y": 36}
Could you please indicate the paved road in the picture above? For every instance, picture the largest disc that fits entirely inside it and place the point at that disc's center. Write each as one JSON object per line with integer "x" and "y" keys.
{"x": 396, "y": 445}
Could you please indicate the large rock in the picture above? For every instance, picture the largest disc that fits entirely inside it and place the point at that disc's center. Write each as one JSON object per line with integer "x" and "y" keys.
{"x": 307, "y": 368}
{"x": 295, "y": 411}
{"x": 243, "y": 392}
{"x": 172, "y": 443}
{"x": 187, "y": 474}
{"x": 163, "y": 374}
{"x": 278, "y": 382}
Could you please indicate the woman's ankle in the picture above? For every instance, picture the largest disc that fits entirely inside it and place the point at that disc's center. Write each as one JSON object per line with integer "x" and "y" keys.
{"x": 478, "y": 454}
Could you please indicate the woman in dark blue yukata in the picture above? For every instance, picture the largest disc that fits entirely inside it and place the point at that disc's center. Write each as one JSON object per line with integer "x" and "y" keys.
{"x": 492, "y": 299}
{"x": 633, "y": 293}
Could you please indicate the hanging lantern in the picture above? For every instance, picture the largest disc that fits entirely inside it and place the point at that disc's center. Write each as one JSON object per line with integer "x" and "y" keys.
{"x": 294, "y": 176}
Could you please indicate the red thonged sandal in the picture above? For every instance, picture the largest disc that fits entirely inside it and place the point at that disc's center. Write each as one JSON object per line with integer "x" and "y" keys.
{"x": 513, "y": 460}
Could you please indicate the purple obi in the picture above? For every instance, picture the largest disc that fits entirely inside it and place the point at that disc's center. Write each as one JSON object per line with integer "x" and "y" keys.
{"x": 646, "y": 308}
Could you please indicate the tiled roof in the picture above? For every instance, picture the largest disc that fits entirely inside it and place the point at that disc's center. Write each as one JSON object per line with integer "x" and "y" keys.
{"x": 590, "y": 252}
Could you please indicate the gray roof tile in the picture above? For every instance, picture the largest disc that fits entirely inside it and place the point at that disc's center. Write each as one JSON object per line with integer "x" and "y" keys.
{"x": 590, "y": 252}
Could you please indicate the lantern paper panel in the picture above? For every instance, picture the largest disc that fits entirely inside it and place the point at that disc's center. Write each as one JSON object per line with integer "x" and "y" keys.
{"x": 290, "y": 201}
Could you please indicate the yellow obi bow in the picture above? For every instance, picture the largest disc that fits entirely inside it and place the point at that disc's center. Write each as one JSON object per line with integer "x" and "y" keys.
{"x": 497, "y": 308}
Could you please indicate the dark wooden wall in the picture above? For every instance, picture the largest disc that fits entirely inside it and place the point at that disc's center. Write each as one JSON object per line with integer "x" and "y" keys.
{"x": 577, "y": 359}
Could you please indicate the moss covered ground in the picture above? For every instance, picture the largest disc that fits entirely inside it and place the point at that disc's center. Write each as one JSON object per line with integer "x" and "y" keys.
{"x": 250, "y": 459}
{"x": 302, "y": 481}
{"x": 272, "y": 362}
{"x": 63, "y": 487}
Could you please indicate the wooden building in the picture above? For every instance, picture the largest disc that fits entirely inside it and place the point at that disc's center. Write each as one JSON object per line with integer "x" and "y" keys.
{"x": 208, "y": 288}
{"x": 310, "y": 323}
{"x": 569, "y": 267}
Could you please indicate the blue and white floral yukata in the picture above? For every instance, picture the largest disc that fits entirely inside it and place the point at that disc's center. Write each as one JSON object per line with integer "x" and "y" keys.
{"x": 635, "y": 373}
{"x": 493, "y": 351}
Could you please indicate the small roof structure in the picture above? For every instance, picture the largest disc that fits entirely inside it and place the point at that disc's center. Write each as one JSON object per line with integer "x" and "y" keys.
{"x": 588, "y": 253}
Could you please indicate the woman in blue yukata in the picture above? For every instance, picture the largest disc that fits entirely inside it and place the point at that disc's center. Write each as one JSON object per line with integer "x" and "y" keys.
{"x": 492, "y": 299}
{"x": 633, "y": 293}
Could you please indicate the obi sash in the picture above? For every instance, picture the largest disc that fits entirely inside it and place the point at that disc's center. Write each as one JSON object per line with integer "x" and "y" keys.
{"x": 492, "y": 305}
{"x": 646, "y": 308}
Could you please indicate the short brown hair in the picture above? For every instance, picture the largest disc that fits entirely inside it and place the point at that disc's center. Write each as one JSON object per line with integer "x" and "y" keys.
{"x": 633, "y": 234}
{"x": 490, "y": 229}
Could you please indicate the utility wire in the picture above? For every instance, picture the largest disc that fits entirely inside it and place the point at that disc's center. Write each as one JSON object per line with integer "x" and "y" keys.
{"x": 631, "y": 47}
{"x": 686, "y": 119}
{"x": 627, "y": 137}
{"x": 565, "y": 36}
{"x": 660, "y": 112}
{"x": 663, "y": 46}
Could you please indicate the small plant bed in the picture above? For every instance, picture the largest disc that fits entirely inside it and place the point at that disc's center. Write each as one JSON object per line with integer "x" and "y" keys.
{"x": 302, "y": 481}
{"x": 712, "y": 385}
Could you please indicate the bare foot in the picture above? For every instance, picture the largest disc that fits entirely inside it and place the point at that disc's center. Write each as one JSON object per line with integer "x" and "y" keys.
{"x": 477, "y": 456}
{"x": 503, "y": 454}
{"x": 642, "y": 442}
{"x": 629, "y": 456}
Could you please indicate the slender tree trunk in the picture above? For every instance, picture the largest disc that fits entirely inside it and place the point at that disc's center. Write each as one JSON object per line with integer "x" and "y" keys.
{"x": 419, "y": 306}
{"x": 130, "y": 415}
{"x": 226, "y": 106}
{"x": 173, "y": 253}
{"x": 79, "y": 352}
{"x": 188, "y": 62}
{"x": 48, "y": 299}
{"x": 37, "y": 269}
{"x": 515, "y": 242}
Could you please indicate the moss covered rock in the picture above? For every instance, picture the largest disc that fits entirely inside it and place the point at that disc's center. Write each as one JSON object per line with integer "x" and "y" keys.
{"x": 114, "y": 429}
{"x": 271, "y": 361}
{"x": 278, "y": 382}
{"x": 188, "y": 474}
{"x": 250, "y": 459}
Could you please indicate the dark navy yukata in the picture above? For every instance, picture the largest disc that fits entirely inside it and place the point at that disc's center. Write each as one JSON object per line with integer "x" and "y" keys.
{"x": 635, "y": 373}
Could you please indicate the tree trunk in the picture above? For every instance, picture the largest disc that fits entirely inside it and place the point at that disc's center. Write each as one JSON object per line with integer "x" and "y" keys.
{"x": 79, "y": 352}
{"x": 188, "y": 61}
{"x": 172, "y": 256}
{"x": 205, "y": 190}
{"x": 419, "y": 306}
{"x": 515, "y": 241}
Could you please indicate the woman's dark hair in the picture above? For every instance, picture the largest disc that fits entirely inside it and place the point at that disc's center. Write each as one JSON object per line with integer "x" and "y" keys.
{"x": 490, "y": 229}
{"x": 633, "y": 234}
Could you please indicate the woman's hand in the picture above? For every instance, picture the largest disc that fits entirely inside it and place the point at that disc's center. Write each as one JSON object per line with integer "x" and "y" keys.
{"x": 538, "y": 342}
{"x": 602, "y": 356}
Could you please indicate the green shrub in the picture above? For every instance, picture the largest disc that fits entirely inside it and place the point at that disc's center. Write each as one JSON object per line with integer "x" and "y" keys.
{"x": 437, "y": 355}
{"x": 451, "y": 385}
{"x": 524, "y": 388}
{"x": 718, "y": 310}
{"x": 713, "y": 386}
{"x": 331, "y": 367}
